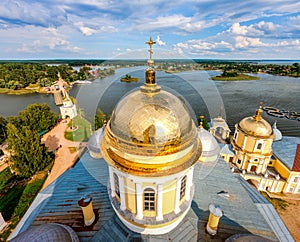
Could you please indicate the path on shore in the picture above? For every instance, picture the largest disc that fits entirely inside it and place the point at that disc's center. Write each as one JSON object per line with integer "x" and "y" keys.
{"x": 66, "y": 152}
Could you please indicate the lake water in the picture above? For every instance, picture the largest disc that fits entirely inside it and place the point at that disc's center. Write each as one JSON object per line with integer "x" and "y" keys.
{"x": 235, "y": 99}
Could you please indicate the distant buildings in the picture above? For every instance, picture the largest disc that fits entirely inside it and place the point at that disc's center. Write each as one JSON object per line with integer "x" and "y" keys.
{"x": 263, "y": 157}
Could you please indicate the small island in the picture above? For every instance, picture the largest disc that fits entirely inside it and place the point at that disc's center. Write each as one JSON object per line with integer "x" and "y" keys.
{"x": 233, "y": 76}
{"x": 129, "y": 78}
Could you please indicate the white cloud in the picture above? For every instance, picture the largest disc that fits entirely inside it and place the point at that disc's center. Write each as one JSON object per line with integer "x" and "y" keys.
{"x": 87, "y": 31}
{"x": 243, "y": 42}
{"x": 159, "y": 41}
{"x": 200, "y": 47}
{"x": 266, "y": 27}
{"x": 94, "y": 29}
{"x": 237, "y": 29}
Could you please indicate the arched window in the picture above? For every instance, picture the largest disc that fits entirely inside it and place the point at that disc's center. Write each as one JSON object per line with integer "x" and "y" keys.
{"x": 259, "y": 145}
{"x": 149, "y": 199}
{"x": 117, "y": 186}
{"x": 182, "y": 187}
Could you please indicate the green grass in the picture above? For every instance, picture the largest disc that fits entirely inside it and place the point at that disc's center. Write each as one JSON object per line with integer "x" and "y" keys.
{"x": 16, "y": 92}
{"x": 15, "y": 202}
{"x": 83, "y": 131}
{"x": 240, "y": 77}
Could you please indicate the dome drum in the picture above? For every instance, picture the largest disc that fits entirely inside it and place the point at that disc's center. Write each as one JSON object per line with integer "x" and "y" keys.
{"x": 149, "y": 160}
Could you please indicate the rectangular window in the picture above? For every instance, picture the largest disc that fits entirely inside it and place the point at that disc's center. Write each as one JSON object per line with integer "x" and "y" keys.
{"x": 291, "y": 189}
{"x": 235, "y": 135}
{"x": 259, "y": 146}
{"x": 296, "y": 179}
{"x": 239, "y": 161}
{"x": 117, "y": 187}
{"x": 149, "y": 200}
{"x": 182, "y": 187}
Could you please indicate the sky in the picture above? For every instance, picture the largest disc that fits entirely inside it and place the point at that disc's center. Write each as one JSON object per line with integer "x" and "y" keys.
{"x": 113, "y": 29}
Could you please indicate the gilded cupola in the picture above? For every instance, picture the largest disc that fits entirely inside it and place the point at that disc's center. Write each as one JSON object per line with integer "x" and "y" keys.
{"x": 151, "y": 131}
{"x": 256, "y": 125}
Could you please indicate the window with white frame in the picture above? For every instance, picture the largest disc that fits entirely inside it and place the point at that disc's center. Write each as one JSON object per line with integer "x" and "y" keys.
{"x": 117, "y": 186}
{"x": 296, "y": 179}
{"x": 182, "y": 187}
{"x": 149, "y": 199}
{"x": 259, "y": 146}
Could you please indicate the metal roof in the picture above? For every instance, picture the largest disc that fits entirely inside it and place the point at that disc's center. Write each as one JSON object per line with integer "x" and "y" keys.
{"x": 285, "y": 150}
{"x": 214, "y": 183}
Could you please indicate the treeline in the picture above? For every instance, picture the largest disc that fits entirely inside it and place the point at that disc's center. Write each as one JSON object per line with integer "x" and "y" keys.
{"x": 273, "y": 69}
{"x": 20, "y": 75}
{"x": 28, "y": 154}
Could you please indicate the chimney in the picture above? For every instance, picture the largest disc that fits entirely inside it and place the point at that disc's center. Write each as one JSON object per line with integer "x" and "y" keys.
{"x": 87, "y": 209}
{"x": 214, "y": 216}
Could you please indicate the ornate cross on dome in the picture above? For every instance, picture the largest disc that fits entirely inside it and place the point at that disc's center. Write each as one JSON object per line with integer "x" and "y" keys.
{"x": 150, "y": 43}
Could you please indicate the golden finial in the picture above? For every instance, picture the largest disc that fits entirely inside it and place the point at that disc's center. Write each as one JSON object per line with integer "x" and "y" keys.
{"x": 150, "y": 43}
{"x": 259, "y": 111}
{"x": 201, "y": 117}
{"x": 201, "y": 125}
{"x": 150, "y": 72}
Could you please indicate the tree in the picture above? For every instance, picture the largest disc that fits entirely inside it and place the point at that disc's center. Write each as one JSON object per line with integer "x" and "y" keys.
{"x": 3, "y": 124}
{"x": 99, "y": 119}
{"x": 205, "y": 124}
{"x": 28, "y": 155}
{"x": 37, "y": 117}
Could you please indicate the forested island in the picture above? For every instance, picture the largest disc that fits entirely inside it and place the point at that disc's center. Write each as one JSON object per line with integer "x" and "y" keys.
{"x": 128, "y": 78}
{"x": 233, "y": 76}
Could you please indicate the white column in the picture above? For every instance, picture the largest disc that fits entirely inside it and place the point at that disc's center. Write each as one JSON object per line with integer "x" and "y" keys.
{"x": 277, "y": 186}
{"x": 159, "y": 203}
{"x": 260, "y": 187}
{"x": 288, "y": 187}
{"x": 273, "y": 186}
{"x": 189, "y": 183}
{"x": 112, "y": 182}
{"x": 177, "y": 196}
{"x": 244, "y": 143}
{"x": 139, "y": 201}
{"x": 122, "y": 193}
{"x": 297, "y": 187}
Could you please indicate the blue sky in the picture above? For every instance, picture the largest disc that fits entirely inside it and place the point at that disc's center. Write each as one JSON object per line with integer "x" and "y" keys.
{"x": 218, "y": 29}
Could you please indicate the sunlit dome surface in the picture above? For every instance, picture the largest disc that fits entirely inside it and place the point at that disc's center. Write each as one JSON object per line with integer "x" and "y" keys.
{"x": 151, "y": 130}
{"x": 94, "y": 143}
{"x": 156, "y": 120}
{"x": 210, "y": 146}
{"x": 48, "y": 233}
{"x": 277, "y": 132}
{"x": 259, "y": 128}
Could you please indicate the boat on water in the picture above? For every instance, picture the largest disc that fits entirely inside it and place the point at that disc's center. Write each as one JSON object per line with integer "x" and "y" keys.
{"x": 276, "y": 112}
{"x": 268, "y": 108}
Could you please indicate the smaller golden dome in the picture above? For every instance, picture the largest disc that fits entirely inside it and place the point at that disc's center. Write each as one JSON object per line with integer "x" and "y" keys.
{"x": 256, "y": 125}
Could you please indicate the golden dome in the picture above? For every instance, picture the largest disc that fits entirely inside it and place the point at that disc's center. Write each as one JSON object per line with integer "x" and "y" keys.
{"x": 256, "y": 125}
{"x": 151, "y": 133}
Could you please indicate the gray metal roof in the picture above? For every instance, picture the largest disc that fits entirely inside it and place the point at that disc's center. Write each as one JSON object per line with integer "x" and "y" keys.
{"x": 285, "y": 150}
{"x": 214, "y": 182}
